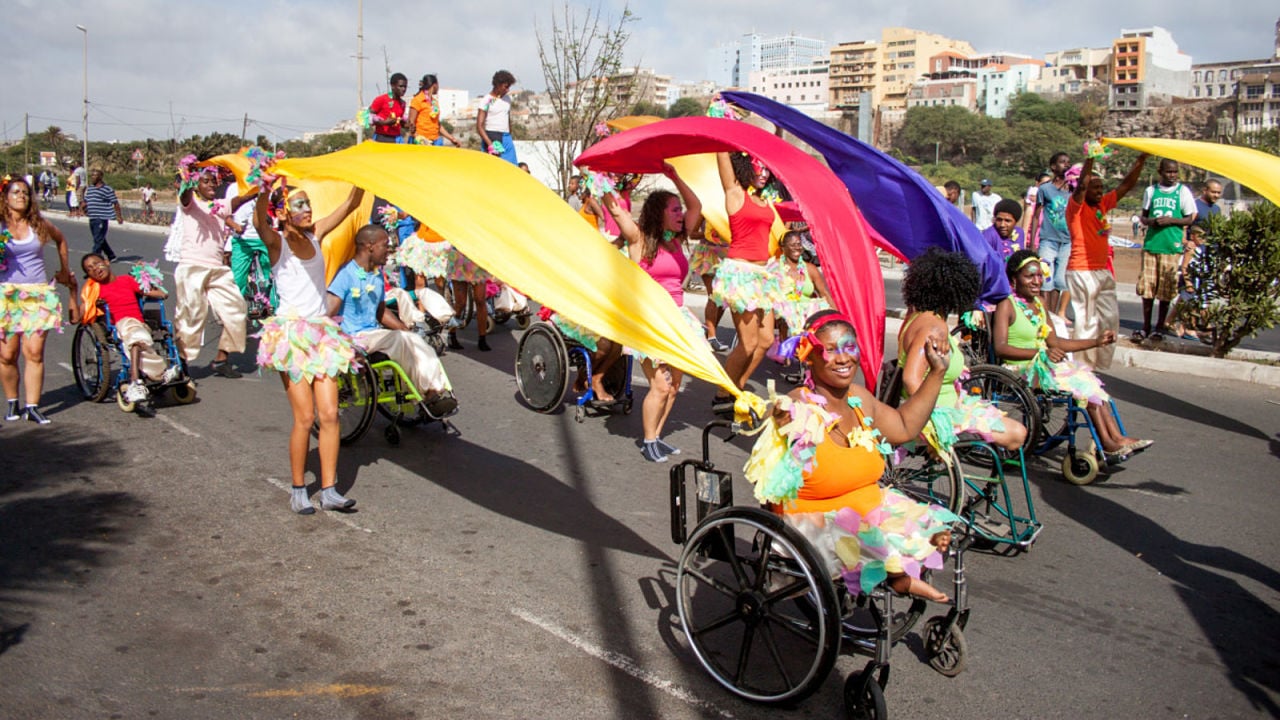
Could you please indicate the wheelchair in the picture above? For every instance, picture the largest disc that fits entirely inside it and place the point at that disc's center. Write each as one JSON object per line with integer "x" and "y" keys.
{"x": 763, "y": 612}
{"x": 1052, "y": 418}
{"x": 544, "y": 358}
{"x": 971, "y": 482}
{"x": 523, "y": 317}
{"x": 102, "y": 367}
{"x": 378, "y": 383}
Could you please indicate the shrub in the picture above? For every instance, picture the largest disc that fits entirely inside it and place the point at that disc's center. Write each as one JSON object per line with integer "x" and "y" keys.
{"x": 1237, "y": 275}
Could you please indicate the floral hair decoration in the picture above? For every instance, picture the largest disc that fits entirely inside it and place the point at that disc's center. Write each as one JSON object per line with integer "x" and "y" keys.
{"x": 800, "y": 346}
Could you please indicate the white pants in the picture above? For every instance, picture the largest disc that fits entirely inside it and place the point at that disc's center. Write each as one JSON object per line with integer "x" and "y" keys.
{"x": 198, "y": 289}
{"x": 133, "y": 331}
{"x": 1096, "y": 310}
{"x": 412, "y": 353}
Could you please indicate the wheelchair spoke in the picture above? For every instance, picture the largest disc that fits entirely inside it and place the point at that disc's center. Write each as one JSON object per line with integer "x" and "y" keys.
{"x": 802, "y": 628}
{"x": 777, "y": 657}
{"x": 726, "y": 619}
{"x": 761, "y": 565}
{"x": 787, "y": 592}
{"x": 744, "y": 653}
{"x": 713, "y": 583}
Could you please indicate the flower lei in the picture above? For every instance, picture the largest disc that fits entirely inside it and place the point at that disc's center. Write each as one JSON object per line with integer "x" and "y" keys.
{"x": 5, "y": 237}
{"x": 1096, "y": 150}
{"x": 865, "y": 436}
{"x": 1035, "y": 315}
{"x": 148, "y": 275}
{"x": 365, "y": 276}
{"x": 389, "y": 217}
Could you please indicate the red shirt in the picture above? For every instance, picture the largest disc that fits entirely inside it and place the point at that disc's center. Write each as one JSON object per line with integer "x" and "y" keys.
{"x": 121, "y": 297}
{"x": 1090, "y": 233}
{"x": 749, "y": 231}
{"x": 384, "y": 105}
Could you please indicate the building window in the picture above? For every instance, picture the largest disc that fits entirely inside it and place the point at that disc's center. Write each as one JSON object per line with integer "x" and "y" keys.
{"x": 1197, "y": 76}
{"x": 1222, "y": 74}
{"x": 1253, "y": 91}
{"x": 1208, "y": 91}
{"x": 1222, "y": 89}
{"x": 1196, "y": 91}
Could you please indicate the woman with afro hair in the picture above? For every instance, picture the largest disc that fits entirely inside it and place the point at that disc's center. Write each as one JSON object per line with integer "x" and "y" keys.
{"x": 936, "y": 285}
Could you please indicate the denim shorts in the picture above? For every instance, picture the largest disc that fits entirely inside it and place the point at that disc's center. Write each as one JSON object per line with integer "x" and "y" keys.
{"x": 1056, "y": 254}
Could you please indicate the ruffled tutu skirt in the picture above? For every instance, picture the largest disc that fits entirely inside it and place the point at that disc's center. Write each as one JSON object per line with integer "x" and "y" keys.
{"x": 463, "y": 270}
{"x": 694, "y": 323}
{"x": 795, "y": 310}
{"x": 575, "y": 332}
{"x": 430, "y": 260}
{"x": 305, "y": 348}
{"x": 866, "y": 548}
{"x": 745, "y": 287}
{"x": 1069, "y": 376}
{"x": 705, "y": 257}
{"x": 29, "y": 308}
{"x": 970, "y": 414}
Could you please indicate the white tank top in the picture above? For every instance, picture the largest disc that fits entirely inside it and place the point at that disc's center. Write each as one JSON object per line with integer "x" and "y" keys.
{"x": 300, "y": 283}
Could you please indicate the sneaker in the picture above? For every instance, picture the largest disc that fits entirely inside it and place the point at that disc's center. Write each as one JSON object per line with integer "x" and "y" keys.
{"x": 441, "y": 406}
{"x": 300, "y": 503}
{"x": 331, "y": 499}
{"x": 171, "y": 375}
{"x": 13, "y": 415}
{"x": 34, "y": 415}
{"x": 716, "y": 345}
{"x": 225, "y": 370}
{"x": 136, "y": 392}
{"x": 651, "y": 452}
{"x": 665, "y": 448}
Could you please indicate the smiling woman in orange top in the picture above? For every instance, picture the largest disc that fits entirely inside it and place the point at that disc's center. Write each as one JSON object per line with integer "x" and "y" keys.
{"x": 424, "y": 115}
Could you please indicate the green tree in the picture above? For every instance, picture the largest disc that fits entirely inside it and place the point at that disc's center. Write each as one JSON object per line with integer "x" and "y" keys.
{"x": 1029, "y": 144}
{"x": 1235, "y": 275}
{"x": 958, "y": 135}
{"x": 686, "y": 107}
{"x": 648, "y": 108}
{"x": 1030, "y": 107}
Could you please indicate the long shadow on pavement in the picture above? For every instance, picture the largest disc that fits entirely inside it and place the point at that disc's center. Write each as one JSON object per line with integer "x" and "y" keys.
{"x": 1127, "y": 392}
{"x": 1241, "y": 627}
{"x": 55, "y": 528}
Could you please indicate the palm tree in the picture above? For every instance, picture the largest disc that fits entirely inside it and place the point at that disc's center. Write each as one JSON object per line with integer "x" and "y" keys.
{"x": 56, "y": 138}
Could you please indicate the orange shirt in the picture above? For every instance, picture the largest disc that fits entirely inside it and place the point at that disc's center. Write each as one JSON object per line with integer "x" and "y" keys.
{"x": 1090, "y": 233}
{"x": 427, "y": 124}
{"x": 842, "y": 477}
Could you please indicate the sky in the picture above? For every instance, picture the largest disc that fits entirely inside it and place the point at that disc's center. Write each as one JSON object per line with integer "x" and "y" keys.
{"x": 159, "y": 68}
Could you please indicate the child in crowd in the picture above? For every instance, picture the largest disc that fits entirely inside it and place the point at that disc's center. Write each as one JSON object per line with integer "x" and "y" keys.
{"x": 1005, "y": 235}
{"x": 120, "y": 293}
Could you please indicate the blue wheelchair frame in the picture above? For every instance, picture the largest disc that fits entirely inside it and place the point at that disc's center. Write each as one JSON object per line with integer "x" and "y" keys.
{"x": 152, "y": 312}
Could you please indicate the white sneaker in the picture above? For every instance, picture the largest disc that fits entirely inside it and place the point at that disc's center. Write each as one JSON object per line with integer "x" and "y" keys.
{"x": 171, "y": 374}
{"x": 136, "y": 392}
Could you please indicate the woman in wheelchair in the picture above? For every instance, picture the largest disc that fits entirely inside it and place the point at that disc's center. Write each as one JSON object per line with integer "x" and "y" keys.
{"x": 1025, "y": 340}
{"x": 120, "y": 293}
{"x": 936, "y": 285}
{"x": 821, "y": 454}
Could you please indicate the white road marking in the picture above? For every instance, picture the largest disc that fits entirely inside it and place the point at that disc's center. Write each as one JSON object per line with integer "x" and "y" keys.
{"x": 622, "y": 662}
{"x": 177, "y": 426}
{"x": 340, "y": 517}
{"x": 67, "y": 367}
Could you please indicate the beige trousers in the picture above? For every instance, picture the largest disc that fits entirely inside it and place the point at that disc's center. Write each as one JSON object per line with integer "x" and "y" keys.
{"x": 132, "y": 332}
{"x": 1096, "y": 310}
{"x": 199, "y": 289}
{"x": 412, "y": 353}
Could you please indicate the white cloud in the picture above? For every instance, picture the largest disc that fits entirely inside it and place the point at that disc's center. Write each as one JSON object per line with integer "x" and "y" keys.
{"x": 289, "y": 64}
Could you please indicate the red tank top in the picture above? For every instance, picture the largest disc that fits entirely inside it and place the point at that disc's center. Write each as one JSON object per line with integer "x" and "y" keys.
{"x": 750, "y": 230}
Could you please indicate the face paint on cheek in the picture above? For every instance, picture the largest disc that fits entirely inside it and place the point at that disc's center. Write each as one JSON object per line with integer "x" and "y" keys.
{"x": 299, "y": 205}
{"x": 845, "y": 345}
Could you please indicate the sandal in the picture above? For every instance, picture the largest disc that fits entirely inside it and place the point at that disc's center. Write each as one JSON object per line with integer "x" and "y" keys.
{"x": 1156, "y": 336}
{"x": 1138, "y": 336}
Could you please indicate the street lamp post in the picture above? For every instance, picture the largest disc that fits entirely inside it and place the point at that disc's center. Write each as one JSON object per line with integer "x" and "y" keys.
{"x": 84, "y": 129}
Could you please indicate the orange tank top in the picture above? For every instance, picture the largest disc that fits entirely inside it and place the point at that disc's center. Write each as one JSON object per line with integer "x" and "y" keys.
{"x": 842, "y": 477}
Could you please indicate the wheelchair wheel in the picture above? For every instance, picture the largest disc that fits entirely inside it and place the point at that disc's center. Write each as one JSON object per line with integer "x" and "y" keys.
{"x": 357, "y": 396}
{"x": 125, "y": 405}
{"x": 1081, "y": 469}
{"x": 974, "y": 344}
{"x": 523, "y": 320}
{"x": 615, "y": 382}
{"x": 947, "y": 650}
{"x": 1055, "y": 419}
{"x": 542, "y": 367}
{"x": 1010, "y": 393}
{"x": 404, "y": 414}
{"x": 489, "y": 324}
{"x": 740, "y": 576}
{"x": 923, "y": 477}
{"x": 858, "y": 620}
{"x": 864, "y": 698}
{"x": 91, "y": 362}
{"x": 185, "y": 394}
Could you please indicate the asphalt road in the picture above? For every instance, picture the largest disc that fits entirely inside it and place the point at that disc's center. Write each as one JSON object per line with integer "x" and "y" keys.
{"x": 524, "y": 568}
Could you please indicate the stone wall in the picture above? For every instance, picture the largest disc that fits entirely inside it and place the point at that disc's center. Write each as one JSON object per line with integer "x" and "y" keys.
{"x": 1182, "y": 121}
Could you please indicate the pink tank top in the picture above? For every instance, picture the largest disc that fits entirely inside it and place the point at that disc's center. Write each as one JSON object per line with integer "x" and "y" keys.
{"x": 750, "y": 230}
{"x": 669, "y": 267}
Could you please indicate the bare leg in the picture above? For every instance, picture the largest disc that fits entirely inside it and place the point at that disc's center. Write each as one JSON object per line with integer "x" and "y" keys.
{"x": 711, "y": 315}
{"x": 607, "y": 353}
{"x": 9, "y": 349}
{"x": 1013, "y": 435}
{"x": 33, "y": 372}
{"x": 325, "y": 391}
{"x": 478, "y": 292}
{"x": 764, "y": 338}
{"x": 674, "y": 378}
{"x": 302, "y": 404}
{"x": 739, "y": 360}
{"x": 654, "y": 408}
{"x": 1163, "y": 316}
{"x": 1146, "y": 315}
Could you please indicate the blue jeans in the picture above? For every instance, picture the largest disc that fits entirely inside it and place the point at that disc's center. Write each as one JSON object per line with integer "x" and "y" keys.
{"x": 1056, "y": 254}
{"x": 100, "y": 246}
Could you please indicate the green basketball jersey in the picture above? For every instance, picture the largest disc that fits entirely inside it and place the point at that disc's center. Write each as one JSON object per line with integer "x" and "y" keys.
{"x": 1165, "y": 203}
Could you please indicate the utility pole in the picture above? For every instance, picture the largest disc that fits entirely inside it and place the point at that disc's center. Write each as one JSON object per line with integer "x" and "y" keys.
{"x": 84, "y": 160}
{"x": 244, "y": 129}
{"x": 360, "y": 66}
{"x": 26, "y": 141}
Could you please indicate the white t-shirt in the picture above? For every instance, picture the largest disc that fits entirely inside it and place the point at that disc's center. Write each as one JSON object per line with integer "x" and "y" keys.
{"x": 1186, "y": 200}
{"x": 148, "y": 194}
{"x": 498, "y": 118}
{"x": 984, "y": 209}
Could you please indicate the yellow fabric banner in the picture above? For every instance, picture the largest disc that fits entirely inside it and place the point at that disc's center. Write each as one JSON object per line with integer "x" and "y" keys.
{"x": 516, "y": 228}
{"x": 1253, "y": 168}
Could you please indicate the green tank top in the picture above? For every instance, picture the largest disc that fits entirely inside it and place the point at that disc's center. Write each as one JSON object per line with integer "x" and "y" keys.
{"x": 1024, "y": 331}
{"x": 947, "y": 395}
{"x": 1165, "y": 203}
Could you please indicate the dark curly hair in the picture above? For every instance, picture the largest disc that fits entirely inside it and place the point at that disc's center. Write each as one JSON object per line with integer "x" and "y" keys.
{"x": 743, "y": 171}
{"x": 1015, "y": 261}
{"x": 941, "y": 282}
{"x": 651, "y": 220}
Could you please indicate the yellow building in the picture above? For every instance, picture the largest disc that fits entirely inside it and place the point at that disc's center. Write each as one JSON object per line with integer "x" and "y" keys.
{"x": 888, "y": 68}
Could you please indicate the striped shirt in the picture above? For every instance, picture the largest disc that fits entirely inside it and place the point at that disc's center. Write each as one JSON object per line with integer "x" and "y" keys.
{"x": 100, "y": 202}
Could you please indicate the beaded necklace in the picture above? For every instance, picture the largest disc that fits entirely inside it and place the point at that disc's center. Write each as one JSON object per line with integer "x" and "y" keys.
{"x": 1034, "y": 315}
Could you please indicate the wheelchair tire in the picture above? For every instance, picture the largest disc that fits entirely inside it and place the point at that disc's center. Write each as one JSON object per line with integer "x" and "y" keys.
{"x": 864, "y": 698}
{"x": 91, "y": 363}
{"x": 1081, "y": 469}
{"x": 924, "y": 478}
{"x": 185, "y": 394}
{"x": 489, "y": 324}
{"x": 542, "y": 367}
{"x": 974, "y": 345}
{"x": 124, "y": 405}
{"x": 357, "y": 397}
{"x": 615, "y": 381}
{"x": 1009, "y": 392}
{"x": 523, "y": 320}
{"x": 947, "y": 651}
{"x": 739, "y": 577}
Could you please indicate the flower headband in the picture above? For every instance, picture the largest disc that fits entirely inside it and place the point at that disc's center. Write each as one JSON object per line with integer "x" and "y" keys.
{"x": 802, "y": 345}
